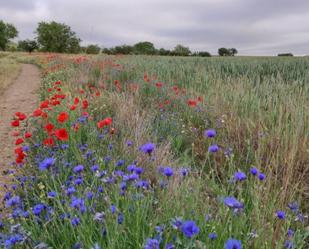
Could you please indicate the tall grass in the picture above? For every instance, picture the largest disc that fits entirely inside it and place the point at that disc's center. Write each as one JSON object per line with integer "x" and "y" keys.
{"x": 257, "y": 107}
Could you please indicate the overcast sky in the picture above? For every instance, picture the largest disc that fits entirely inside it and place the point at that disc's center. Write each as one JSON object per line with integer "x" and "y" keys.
{"x": 254, "y": 27}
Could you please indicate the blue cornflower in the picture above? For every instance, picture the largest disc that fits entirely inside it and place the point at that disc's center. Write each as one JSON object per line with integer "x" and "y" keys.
{"x": 254, "y": 171}
{"x": 184, "y": 171}
{"x": 280, "y": 214}
{"x": 78, "y": 168}
{"x": 189, "y": 228}
{"x": 240, "y": 176}
{"x": 51, "y": 194}
{"x": 129, "y": 143}
{"x": 232, "y": 244}
{"x": 169, "y": 246}
{"x": 168, "y": 171}
{"x": 120, "y": 218}
{"x": 139, "y": 170}
{"x": 152, "y": 244}
{"x": 95, "y": 168}
{"x": 210, "y": 133}
{"x": 89, "y": 195}
{"x": 46, "y": 163}
{"x": 213, "y": 148}
{"x": 120, "y": 163}
{"x": 290, "y": 233}
{"x": 294, "y": 206}
{"x": 176, "y": 223}
{"x": 113, "y": 208}
{"x": 131, "y": 167}
{"x": 37, "y": 209}
{"x": 212, "y": 236}
{"x": 262, "y": 176}
{"x": 148, "y": 148}
{"x": 14, "y": 201}
{"x": 289, "y": 244}
{"x": 232, "y": 202}
{"x": 75, "y": 221}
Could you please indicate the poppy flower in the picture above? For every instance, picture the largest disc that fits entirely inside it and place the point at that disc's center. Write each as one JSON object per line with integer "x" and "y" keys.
{"x": 73, "y": 107}
{"x": 15, "y": 123}
{"x": 62, "y": 117}
{"x": 19, "y": 141}
{"x": 49, "y": 141}
{"x": 85, "y": 104}
{"x": 62, "y": 134}
{"x": 16, "y": 133}
{"x": 192, "y": 103}
{"x": 104, "y": 122}
{"x": 57, "y": 82}
{"x": 159, "y": 84}
{"x": 37, "y": 113}
{"x": 49, "y": 127}
{"x": 76, "y": 101}
{"x": 21, "y": 116}
{"x": 44, "y": 104}
{"x": 28, "y": 135}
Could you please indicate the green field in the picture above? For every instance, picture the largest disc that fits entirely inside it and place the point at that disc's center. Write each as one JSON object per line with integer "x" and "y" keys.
{"x": 78, "y": 188}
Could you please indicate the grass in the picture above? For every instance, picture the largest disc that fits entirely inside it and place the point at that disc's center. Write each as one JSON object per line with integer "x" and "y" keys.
{"x": 9, "y": 70}
{"x": 257, "y": 107}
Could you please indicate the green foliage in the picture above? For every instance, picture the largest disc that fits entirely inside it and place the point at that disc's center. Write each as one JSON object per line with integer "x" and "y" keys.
{"x": 202, "y": 54}
{"x": 7, "y": 32}
{"x": 27, "y": 45}
{"x": 57, "y": 37}
{"x": 144, "y": 48}
{"x": 123, "y": 49}
{"x": 227, "y": 51}
{"x": 93, "y": 49}
{"x": 181, "y": 50}
{"x": 285, "y": 54}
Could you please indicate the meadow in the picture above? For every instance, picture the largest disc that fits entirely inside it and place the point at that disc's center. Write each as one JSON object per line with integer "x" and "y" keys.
{"x": 162, "y": 152}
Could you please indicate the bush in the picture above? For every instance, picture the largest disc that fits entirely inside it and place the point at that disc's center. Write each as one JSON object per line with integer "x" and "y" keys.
{"x": 93, "y": 49}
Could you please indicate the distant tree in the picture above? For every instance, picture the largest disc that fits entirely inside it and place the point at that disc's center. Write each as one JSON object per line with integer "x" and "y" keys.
{"x": 144, "y": 48}
{"x": 233, "y": 51}
{"x": 202, "y": 54}
{"x": 223, "y": 52}
{"x": 7, "y": 32}
{"x": 57, "y": 37}
{"x": 107, "y": 51}
{"x": 181, "y": 50}
{"x": 93, "y": 49}
{"x": 163, "y": 51}
{"x": 285, "y": 54}
{"x": 27, "y": 45}
{"x": 123, "y": 49}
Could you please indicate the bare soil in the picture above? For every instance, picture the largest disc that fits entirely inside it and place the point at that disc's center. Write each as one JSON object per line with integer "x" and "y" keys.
{"x": 20, "y": 96}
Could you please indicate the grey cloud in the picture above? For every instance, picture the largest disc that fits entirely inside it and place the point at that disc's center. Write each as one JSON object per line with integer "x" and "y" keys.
{"x": 252, "y": 26}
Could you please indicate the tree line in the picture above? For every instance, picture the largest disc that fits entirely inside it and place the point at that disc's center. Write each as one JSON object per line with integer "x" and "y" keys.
{"x": 59, "y": 38}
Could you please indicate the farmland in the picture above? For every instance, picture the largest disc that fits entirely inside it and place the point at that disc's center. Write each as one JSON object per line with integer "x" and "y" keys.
{"x": 161, "y": 152}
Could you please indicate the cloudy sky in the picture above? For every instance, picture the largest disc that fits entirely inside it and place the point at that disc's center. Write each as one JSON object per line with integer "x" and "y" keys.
{"x": 254, "y": 27}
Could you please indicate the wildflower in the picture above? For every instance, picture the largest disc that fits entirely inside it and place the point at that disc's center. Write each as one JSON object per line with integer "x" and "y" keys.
{"x": 28, "y": 135}
{"x": 167, "y": 171}
{"x": 192, "y": 103}
{"x": 290, "y": 233}
{"x": 213, "y": 148}
{"x": 148, "y": 148}
{"x": 262, "y": 176}
{"x": 189, "y": 228}
{"x": 75, "y": 221}
{"x": 240, "y": 176}
{"x": 169, "y": 246}
{"x": 51, "y": 194}
{"x": 210, "y": 133}
{"x": 293, "y": 206}
{"x": 120, "y": 218}
{"x": 15, "y": 123}
{"x": 254, "y": 171}
{"x": 105, "y": 122}
{"x": 49, "y": 127}
{"x": 19, "y": 141}
{"x": 12, "y": 202}
{"x": 46, "y": 163}
{"x": 138, "y": 170}
{"x": 184, "y": 172}
{"x": 176, "y": 223}
{"x": 280, "y": 214}
{"x": 288, "y": 244}
{"x": 129, "y": 143}
{"x": 232, "y": 202}
{"x": 232, "y": 244}
{"x": 62, "y": 134}
{"x": 37, "y": 209}
{"x": 62, "y": 117}
{"x": 212, "y": 236}
{"x": 131, "y": 167}
{"x": 78, "y": 169}
{"x": 152, "y": 244}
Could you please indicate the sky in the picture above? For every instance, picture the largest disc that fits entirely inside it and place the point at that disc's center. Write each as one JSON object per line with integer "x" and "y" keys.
{"x": 254, "y": 27}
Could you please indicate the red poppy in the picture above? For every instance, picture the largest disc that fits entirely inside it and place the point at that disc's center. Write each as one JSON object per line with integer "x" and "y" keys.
{"x": 76, "y": 101}
{"x": 21, "y": 116}
{"x": 19, "y": 141}
{"x": 105, "y": 122}
{"x": 16, "y": 133}
{"x": 62, "y": 134}
{"x": 200, "y": 99}
{"x": 50, "y": 89}
{"x": 81, "y": 91}
{"x": 15, "y": 123}
{"x": 49, "y": 141}
{"x": 73, "y": 107}
{"x": 57, "y": 82}
{"x": 192, "y": 103}
{"x": 97, "y": 94}
{"x": 44, "y": 104}
{"x": 37, "y": 112}
{"x": 62, "y": 117}
{"x": 159, "y": 84}
{"x": 49, "y": 127}
{"x": 85, "y": 104}
{"x": 28, "y": 134}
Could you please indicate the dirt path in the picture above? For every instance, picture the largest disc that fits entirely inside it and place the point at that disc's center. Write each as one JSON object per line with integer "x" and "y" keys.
{"x": 20, "y": 96}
